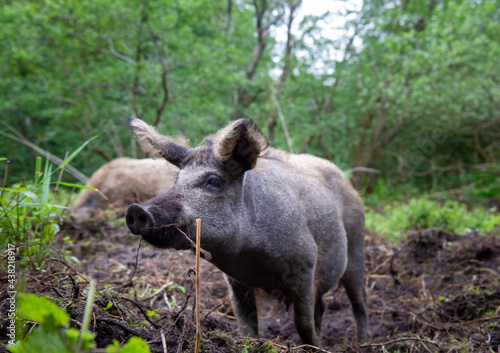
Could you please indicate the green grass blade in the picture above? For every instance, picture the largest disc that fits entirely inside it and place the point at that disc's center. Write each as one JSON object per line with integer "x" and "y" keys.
{"x": 88, "y": 312}
{"x": 77, "y": 186}
{"x": 46, "y": 182}
{"x": 38, "y": 169}
{"x": 76, "y": 152}
{"x": 82, "y": 187}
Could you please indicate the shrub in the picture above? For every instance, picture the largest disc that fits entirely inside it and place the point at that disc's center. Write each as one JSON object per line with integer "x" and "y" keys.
{"x": 423, "y": 213}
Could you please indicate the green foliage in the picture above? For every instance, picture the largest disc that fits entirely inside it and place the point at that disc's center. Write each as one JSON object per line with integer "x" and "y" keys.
{"x": 423, "y": 213}
{"x": 28, "y": 215}
{"x": 42, "y": 310}
{"x": 266, "y": 347}
{"x": 31, "y": 214}
{"x": 412, "y": 93}
{"x": 134, "y": 345}
{"x": 53, "y": 335}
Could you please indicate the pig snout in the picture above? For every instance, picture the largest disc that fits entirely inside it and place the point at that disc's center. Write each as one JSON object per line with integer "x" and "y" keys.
{"x": 138, "y": 218}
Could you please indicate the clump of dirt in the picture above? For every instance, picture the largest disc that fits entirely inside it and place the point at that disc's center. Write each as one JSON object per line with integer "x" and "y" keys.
{"x": 435, "y": 292}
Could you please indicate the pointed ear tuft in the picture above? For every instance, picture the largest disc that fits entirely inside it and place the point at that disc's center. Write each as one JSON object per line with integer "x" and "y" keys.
{"x": 239, "y": 144}
{"x": 155, "y": 144}
{"x": 147, "y": 137}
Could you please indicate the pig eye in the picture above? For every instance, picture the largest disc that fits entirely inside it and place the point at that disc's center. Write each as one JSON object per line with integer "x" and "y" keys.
{"x": 214, "y": 183}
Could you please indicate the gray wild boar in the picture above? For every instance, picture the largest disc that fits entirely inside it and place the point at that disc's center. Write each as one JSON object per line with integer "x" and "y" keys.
{"x": 289, "y": 224}
{"x": 123, "y": 181}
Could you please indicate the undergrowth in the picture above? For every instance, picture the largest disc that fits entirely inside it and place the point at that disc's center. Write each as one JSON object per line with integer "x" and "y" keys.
{"x": 419, "y": 213}
{"x": 52, "y": 333}
{"x": 30, "y": 216}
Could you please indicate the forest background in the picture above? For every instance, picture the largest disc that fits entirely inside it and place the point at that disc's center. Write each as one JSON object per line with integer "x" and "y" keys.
{"x": 405, "y": 98}
{"x": 409, "y": 89}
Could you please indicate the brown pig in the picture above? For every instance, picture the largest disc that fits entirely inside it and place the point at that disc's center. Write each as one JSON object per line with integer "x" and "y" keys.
{"x": 123, "y": 181}
{"x": 290, "y": 224}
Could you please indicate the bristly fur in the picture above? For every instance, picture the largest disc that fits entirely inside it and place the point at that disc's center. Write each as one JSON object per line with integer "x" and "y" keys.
{"x": 157, "y": 145}
{"x": 243, "y": 132}
{"x": 149, "y": 139}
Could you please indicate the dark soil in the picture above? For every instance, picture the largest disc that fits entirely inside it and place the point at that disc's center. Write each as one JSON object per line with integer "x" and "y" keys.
{"x": 437, "y": 292}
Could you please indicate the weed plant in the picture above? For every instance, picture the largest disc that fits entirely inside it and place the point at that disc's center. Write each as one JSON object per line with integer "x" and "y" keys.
{"x": 31, "y": 213}
{"x": 52, "y": 333}
{"x": 30, "y": 217}
{"x": 423, "y": 213}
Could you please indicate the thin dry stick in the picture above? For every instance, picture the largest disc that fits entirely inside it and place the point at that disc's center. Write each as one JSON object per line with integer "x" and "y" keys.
{"x": 198, "y": 247}
{"x": 206, "y": 255}
{"x": 136, "y": 261}
{"x": 402, "y": 339}
{"x": 163, "y": 341}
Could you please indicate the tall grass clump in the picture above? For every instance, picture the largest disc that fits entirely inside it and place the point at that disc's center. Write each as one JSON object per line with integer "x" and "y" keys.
{"x": 419, "y": 213}
{"x": 31, "y": 213}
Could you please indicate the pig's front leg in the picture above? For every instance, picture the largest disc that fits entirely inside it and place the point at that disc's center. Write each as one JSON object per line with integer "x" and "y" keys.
{"x": 244, "y": 307}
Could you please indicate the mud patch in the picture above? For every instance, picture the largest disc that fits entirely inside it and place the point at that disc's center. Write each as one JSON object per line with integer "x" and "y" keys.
{"x": 436, "y": 292}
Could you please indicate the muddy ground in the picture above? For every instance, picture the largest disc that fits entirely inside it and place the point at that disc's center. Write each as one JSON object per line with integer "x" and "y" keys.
{"x": 436, "y": 292}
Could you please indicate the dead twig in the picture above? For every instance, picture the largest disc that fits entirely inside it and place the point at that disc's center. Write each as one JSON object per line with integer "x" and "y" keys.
{"x": 163, "y": 341}
{"x": 136, "y": 261}
{"x": 206, "y": 255}
{"x": 222, "y": 302}
{"x": 125, "y": 328}
{"x": 402, "y": 339}
{"x": 183, "y": 308}
{"x": 142, "y": 311}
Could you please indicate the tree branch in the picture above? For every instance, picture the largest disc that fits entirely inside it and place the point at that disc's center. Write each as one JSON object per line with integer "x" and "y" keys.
{"x": 138, "y": 52}
{"x": 164, "y": 75}
{"x": 113, "y": 52}
{"x": 262, "y": 35}
{"x": 228, "y": 16}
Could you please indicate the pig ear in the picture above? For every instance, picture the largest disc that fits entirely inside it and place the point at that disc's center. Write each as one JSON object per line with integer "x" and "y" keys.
{"x": 239, "y": 144}
{"x": 157, "y": 145}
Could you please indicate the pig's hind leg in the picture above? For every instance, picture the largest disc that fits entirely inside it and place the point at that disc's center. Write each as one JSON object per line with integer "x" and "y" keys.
{"x": 319, "y": 310}
{"x": 244, "y": 307}
{"x": 353, "y": 282}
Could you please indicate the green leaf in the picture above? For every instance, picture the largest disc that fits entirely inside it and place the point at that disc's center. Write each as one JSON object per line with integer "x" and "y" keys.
{"x": 41, "y": 341}
{"x": 42, "y": 310}
{"x": 73, "y": 259}
{"x": 114, "y": 347}
{"x": 31, "y": 195}
{"x": 76, "y": 152}
{"x": 73, "y": 334}
{"x": 82, "y": 187}
{"x": 38, "y": 169}
{"x": 136, "y": 345}
{"x": 78, "y": 186}
{"x": 46, "y": 182}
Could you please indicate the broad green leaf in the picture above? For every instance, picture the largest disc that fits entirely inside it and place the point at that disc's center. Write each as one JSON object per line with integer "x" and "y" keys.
{"x": 43, "y": 310}
{"x": 136, "y": 345}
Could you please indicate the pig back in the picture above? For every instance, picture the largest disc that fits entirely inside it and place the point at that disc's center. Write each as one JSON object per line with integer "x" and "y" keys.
{"x": 307, "y": 187}
{"x": 297, "y": 206}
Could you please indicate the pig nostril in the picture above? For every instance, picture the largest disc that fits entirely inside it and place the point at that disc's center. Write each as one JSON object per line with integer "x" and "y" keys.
{"x": 138, "y": 218}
